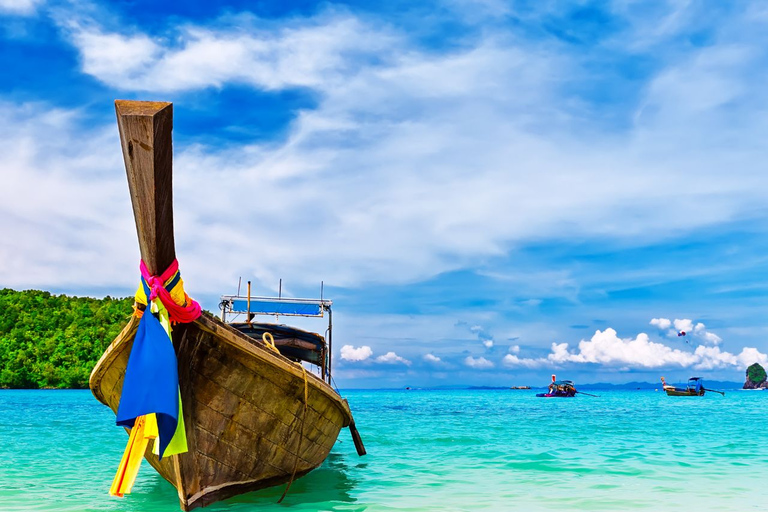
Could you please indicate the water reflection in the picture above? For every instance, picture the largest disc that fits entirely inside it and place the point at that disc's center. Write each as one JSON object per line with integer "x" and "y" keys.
{"x": 330, "y": 483}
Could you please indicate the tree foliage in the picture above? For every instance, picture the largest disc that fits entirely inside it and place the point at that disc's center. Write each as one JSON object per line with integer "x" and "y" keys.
{"x": 756, "y": 373}
{"x": 53, "y": 341}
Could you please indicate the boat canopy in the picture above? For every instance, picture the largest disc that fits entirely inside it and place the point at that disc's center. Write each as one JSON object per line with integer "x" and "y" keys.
{"x": 275, "y": 306}
{"x": 296, "y": 344}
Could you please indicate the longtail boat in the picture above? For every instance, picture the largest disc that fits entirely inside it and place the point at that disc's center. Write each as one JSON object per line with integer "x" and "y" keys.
{"x": 694, "y": 387}
{"x": 559, "y": 389}
{"x": 252, "y": 417}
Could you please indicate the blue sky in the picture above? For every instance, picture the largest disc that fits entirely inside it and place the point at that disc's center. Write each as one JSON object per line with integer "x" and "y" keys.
{"x": 490, "y": 191}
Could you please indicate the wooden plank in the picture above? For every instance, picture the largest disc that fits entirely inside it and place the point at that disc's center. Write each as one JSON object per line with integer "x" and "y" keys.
{"x": 145, "y": 136}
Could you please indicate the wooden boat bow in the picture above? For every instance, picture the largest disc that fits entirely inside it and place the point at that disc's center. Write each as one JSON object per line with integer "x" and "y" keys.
{"x": 243, "y": 403}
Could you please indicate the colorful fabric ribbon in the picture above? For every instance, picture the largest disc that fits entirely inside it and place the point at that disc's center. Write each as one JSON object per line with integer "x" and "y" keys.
{"x": 169, "y": 287}
{"x": 150, "y": 403}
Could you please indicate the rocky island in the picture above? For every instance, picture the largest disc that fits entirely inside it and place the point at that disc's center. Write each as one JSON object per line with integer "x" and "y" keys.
{"x": 756, "y": 377}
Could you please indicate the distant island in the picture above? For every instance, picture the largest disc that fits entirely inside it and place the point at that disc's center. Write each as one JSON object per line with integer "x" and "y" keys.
{"x": 53, "y": 341}
{"x": 756, "y": 377}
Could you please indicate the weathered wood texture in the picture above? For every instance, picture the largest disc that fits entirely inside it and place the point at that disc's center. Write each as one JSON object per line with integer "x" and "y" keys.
{"x": 243, "y": 408}
{"x": 145, "y": 136}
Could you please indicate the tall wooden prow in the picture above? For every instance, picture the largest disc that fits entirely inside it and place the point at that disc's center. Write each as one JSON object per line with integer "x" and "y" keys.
{"x": 145, "y": 129}
{"x": 145, "y": 136}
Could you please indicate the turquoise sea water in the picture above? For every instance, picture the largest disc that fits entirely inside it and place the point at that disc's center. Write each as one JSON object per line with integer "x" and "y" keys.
{"x": 433, "y": 450}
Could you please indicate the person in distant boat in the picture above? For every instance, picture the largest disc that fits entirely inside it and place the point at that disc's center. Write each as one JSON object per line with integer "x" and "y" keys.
{"x": 552, "y": 387}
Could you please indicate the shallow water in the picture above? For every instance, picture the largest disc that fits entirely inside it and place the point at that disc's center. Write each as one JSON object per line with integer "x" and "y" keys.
{"x": 432, "y": 450}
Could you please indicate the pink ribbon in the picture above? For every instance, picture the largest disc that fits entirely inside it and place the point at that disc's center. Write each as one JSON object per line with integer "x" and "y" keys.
{"x": 184, "y": 313}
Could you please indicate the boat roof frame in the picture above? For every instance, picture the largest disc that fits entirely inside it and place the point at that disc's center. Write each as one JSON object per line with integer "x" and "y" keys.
{"x": 229, "y": 300}
{"x": 324, "y": 305}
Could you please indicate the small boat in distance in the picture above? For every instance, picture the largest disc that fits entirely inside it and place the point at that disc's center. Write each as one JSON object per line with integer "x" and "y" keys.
{"x": 520, "y": 387}
{"x": 559, "y": 389}
{"x": 695, "y": 387}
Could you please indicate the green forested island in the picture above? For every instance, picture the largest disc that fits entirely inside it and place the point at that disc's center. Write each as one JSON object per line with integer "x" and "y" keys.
{"x": 53, "y": 341}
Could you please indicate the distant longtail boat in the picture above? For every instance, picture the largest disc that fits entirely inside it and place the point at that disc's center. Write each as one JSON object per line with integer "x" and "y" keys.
{"x": 559, "y": 389}
{"x": 695, "y": 387}
{"x": 247, "y": 416}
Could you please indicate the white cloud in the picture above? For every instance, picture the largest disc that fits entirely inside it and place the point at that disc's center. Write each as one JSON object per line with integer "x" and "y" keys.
{"x": 313, "y": 53}
{"x": 116, "y": 55}
{"x": 431, "y": 358}
{"x": 19, "y": 7}
{"x": 514, "y": 349}
{"x": 64, "y": 203}
{"x": 606, "y": 348}
{"x": 392, "y": 358}
{"x": 693, "y": 331}
{"x": 350, "y": 353}
{"x": 512, "y": 361}
{"x": 711, "y": 338}
{"x": 376, "y": 162}
{"x": 485, "y": 337}
{"x": 479, "y": 363}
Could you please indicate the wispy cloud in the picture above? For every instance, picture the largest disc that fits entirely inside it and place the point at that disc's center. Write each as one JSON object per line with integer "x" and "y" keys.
{"x": 513, "y": 361}
{"x": 686, "y": 327}
{"x": 392, "y": 358}
{"x": 319, "y": 53}
{"x": 19, "y": 7}
{"x": 479, "y": 363}
{"x": 479, "y": 116}
{"x": 63, "y": 212}
{"x": 485, "y": 337}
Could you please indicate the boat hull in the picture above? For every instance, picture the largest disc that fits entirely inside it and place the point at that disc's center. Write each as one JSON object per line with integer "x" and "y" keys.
{"x": 683, "y": 392}
{"x": 246, "y": 423}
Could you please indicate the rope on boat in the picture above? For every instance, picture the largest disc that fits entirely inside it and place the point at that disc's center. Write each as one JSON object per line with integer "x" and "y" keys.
{"x": 269, "y": 341}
